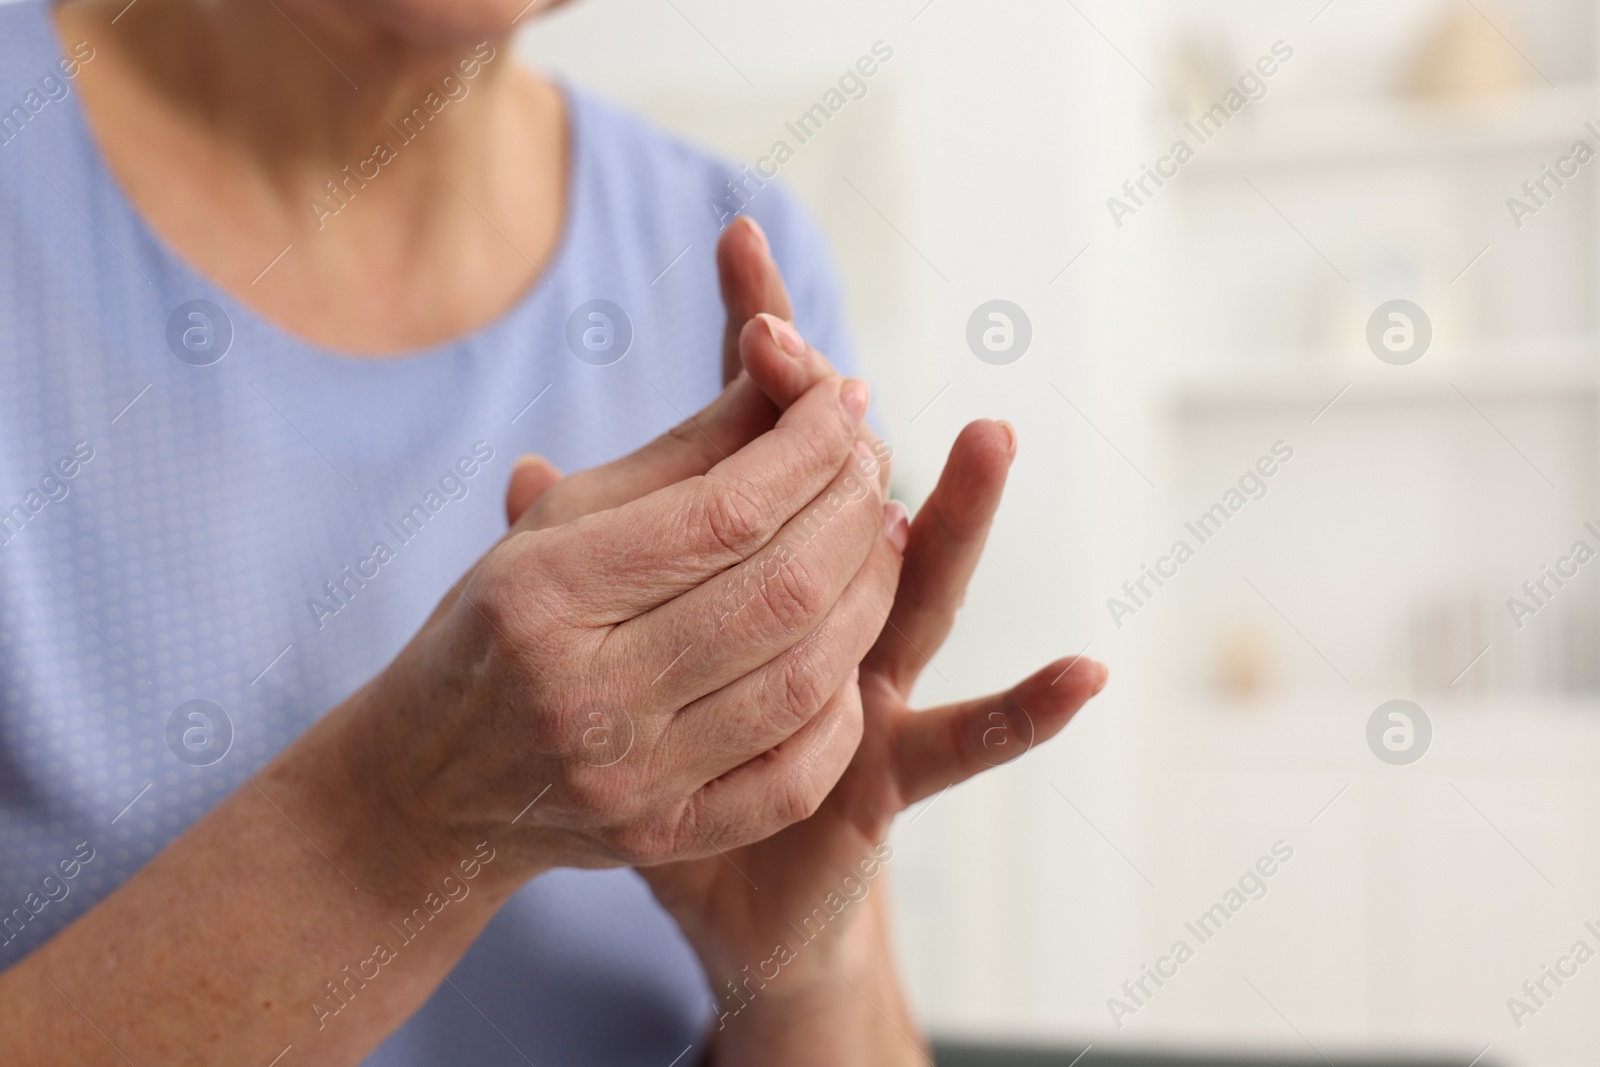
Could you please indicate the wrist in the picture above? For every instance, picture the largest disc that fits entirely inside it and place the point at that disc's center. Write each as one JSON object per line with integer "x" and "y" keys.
{"x": 336, "y": 784}
{"x": 796, "y": 973}
{"x": 848, "y": 978}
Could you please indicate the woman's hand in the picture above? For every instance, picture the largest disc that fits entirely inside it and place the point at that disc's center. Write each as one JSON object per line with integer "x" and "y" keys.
{"x": 783, "y": 925}
{"x": 780, "y": 956}
{"x": 772, "y": 920}
{"x": 590, "y": 699}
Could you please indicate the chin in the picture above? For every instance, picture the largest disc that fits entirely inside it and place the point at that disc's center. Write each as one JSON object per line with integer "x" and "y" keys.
{"x": 446, "y": 22}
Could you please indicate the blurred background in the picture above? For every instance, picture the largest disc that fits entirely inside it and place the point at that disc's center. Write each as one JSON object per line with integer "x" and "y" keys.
{"x": 1174, "y": 342}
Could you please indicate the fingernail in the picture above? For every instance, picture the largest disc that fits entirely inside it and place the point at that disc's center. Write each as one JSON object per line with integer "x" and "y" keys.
{"x": 787, "y": 337}
{"x": 854, "y": 394}
{"x": 1099, "y": 674}
{"x": 1011, "y": 438}
{"x": 897, "y": 525}
{"x": 761, "y": 235}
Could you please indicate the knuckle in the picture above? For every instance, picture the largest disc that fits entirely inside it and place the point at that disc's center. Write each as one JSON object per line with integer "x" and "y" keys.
{"x": 500, "y": 594}
{"x": 803, "y": 692}
{"x": 589, "y": 796}
{"x": 795, "y": 798}
{"x": 795, "y": 596}
{"x": 549, "y": 729}
{"x": 819, "y": 452}
{"x": 735, "y": 518}
{"x": 505, "y": 618}
{"x": 521, "y": 626}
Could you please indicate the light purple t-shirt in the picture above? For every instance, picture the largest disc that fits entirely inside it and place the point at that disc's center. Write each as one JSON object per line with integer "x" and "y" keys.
{"x": 189, "y": 563}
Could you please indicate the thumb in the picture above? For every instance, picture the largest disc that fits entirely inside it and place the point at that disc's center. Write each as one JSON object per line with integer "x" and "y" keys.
{"x": 530, "y": 477}
{"x": 947, "y": 745}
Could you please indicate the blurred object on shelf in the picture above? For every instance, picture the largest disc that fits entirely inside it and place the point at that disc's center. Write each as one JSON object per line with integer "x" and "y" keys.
{"x": 1447, "y": 641}
{"x": 1200, "y": 68}
{"x": 1244, "y": 662}
{"x": 1580, "y": 634}
{"x": 1552, "y": 650}
{"x": 1469, "y": 57}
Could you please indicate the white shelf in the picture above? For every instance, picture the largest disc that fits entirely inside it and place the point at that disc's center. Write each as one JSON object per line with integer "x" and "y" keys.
{"x": 1562, "y": 383}
{"x": 1539, "y": 124}
{"x": 1572, "y": 711}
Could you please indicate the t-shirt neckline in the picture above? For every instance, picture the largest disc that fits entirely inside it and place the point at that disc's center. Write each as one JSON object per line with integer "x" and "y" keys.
{"x": 100, "y": 175}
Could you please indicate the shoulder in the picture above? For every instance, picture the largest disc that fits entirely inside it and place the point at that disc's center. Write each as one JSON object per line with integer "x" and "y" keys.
{"x": 652, "y": 185}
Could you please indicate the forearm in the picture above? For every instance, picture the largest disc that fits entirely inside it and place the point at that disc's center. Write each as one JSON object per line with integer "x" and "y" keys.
{"x": 279, "y": 919}
{"x": 848, "y": 1010}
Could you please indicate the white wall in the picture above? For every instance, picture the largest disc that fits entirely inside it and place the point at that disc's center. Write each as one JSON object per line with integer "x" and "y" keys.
{"x": 1194, "y": 337}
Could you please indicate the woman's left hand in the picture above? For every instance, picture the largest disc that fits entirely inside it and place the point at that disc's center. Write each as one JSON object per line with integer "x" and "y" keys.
{"x": 771, "y": 920}
{"x": 780, "y": 924}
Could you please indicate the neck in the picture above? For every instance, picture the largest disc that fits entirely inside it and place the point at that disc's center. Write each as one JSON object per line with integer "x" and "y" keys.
{"x": 300, "y": 87}
{"x": 444, "y": 163}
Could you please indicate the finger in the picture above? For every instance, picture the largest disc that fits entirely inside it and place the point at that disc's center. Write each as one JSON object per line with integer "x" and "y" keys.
{"x": 673, "y": 540}
{"x": 783, "y": 785}
{"x": 751, "y": 284}
{"x": 771, "y": 703}
{"x": 780, "y": 361}
{"x": 733, "y": 420}
{"x": 947, "y": 745}
{"x": 530, "y": 477}
{"x": 947, "y": 540}
{"x": 739, "y": 620}
{"x": 738, "y": 416}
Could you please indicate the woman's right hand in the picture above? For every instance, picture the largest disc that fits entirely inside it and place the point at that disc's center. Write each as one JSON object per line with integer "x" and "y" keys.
{"x": 655, "y": 681}
{"x": 720, "y": 585}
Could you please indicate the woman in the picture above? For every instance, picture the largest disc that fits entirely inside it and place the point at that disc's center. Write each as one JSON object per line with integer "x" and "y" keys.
{"x": 288, "y": 284}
